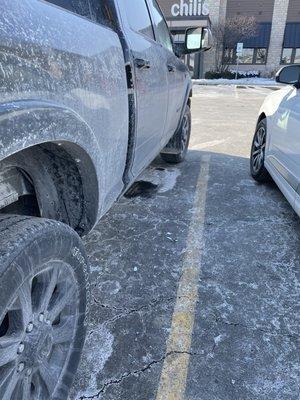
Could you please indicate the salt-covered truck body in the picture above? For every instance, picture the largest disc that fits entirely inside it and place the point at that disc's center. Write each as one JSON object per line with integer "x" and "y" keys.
{"x": 91, "y": 92}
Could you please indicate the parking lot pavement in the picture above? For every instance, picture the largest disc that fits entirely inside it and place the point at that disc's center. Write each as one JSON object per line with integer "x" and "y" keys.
{"x": 195, "y": 275}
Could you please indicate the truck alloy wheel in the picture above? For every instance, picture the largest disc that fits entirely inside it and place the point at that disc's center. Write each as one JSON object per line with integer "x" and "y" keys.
{"x": 42, "y": 307}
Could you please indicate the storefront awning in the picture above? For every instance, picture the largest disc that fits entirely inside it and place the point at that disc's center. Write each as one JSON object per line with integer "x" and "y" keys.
{"x": 292, "y": 35}
{"x": 262, "y": 39}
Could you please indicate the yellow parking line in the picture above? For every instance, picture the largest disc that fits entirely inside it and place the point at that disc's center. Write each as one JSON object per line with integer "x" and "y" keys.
{"x": 175, "y": 368}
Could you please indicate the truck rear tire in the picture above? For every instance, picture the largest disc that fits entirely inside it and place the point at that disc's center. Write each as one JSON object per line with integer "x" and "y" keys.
{"x": 43, "y": 299}
{"x": 176, "y": 149}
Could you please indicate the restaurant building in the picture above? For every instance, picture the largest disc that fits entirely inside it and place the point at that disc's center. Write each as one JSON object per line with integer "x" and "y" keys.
{"x": 277, "y": 41}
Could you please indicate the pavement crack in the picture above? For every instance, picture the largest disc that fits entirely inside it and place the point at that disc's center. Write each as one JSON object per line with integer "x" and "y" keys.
{"x": 137, "y": 372}
{"x": 257, "y": 329}
{"x": 146, "y": 307}
{"x": 108, "y": 307}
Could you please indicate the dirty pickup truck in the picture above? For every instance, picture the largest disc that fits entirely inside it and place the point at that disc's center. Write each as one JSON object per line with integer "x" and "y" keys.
{"x": 91, "y": 92}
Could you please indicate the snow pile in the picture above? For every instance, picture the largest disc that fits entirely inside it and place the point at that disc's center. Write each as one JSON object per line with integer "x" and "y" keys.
{"x": 242, "y": 81}
{"x": 246, "y": 74}
{"x": 165, "y": 179}
{"x": 98, "y": 349}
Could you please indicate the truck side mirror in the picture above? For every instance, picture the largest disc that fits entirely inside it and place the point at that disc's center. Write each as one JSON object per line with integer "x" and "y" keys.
{"x": 289, "y": 75}
{"x": 193, "y": 39}
{"x": 196, "y": 39}
{"x": 207, "y": 39}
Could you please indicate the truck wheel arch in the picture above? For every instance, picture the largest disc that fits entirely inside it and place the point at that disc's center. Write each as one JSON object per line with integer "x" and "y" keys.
{"x": 43, "y": 139}
{"x": 64, "y": 182}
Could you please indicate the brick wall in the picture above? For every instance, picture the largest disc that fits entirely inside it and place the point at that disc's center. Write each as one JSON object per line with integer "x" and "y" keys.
{"x": 277, "y": 34}
{"x": 294, "y": 11}
{"x": 262, "y": 10}
{"x": 217, "y": 13}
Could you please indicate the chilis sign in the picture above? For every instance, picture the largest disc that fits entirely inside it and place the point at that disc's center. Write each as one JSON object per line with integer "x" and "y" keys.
{"x": 184, "y": 8}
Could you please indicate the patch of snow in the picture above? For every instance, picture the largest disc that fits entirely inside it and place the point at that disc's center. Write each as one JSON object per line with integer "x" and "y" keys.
{"x": 110, "y": 287}
{"x": 169, "y": 180}
{"x": 165, "y": 179}
{"x": 242, "y": 81}
{"x": 147, "y": 358}
{"x": 208, "y": 144}
{"x": 218, "y": 339}
{"x": 96, "y": 268}
{"x": 253, "y": 286}
{"x": 247, "y": 182}
{"x": 276, "y": 323}
{"x": 246, "y": 74}
{"x": 98, "y": 349}
{"x": 169, "y": 237}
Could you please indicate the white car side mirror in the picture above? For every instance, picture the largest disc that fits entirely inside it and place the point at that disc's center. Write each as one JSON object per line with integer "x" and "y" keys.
{"x": 289, "y": 75}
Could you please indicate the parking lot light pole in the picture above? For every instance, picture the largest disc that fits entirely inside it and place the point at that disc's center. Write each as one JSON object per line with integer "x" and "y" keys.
{"x": 239, "y": 53}
{"x": 237, "y": 66}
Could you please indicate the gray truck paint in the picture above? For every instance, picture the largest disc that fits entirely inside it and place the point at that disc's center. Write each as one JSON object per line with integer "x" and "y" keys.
{"x": 65, "y": 106}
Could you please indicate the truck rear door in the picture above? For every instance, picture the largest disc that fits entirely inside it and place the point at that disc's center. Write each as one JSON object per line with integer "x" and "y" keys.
{"x": 151, "y": 82}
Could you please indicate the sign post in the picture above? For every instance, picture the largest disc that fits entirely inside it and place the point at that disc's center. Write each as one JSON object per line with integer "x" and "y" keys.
{"x": 239, "y": 53}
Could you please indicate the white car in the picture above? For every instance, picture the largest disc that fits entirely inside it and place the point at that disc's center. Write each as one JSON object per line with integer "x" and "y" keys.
{"x": 276, "y": 144}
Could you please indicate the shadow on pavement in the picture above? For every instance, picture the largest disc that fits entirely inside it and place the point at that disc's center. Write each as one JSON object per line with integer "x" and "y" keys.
{"x": 246, "y": 322}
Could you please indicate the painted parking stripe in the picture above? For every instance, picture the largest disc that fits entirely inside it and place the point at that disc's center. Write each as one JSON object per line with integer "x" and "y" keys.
{"x": 175, "y": 368}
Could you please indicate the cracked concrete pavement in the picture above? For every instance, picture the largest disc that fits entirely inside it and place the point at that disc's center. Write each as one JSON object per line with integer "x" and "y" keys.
{"x": 245, "y": 342}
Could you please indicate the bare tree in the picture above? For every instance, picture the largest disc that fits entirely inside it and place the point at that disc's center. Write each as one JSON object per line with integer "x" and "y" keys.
{"x": 228, "y": 34}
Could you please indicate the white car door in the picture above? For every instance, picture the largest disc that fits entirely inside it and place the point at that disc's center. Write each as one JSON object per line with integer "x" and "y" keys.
{"x": 292, "y": 145}
{"x": 284, "y": 128}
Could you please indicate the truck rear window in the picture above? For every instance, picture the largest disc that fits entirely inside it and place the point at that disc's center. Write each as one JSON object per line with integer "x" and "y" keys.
{"x": 80, "y": 7}
{"x": 96, "y": 10}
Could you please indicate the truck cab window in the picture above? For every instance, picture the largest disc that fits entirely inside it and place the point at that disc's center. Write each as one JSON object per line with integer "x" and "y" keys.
{"x": 80, "y": 7}
{"x": 161, "y": 29}
{"x": 100, "y": 11}
{"x": 138, "y": 17}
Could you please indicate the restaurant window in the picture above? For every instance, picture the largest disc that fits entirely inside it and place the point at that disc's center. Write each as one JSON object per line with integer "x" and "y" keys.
{"x": 290, "y": 56}
{"x": 247, "y": 56}
{"x": 250, "y": 56}
{"x": 297, "y": 56}
{"x": 260, "y": 56}
{"x": 287, "y": 56}
{"x": 229, "y": 56}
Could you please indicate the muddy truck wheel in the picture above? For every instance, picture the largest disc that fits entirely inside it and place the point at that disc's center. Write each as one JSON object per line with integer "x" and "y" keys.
{"x": 176, "y": 149}
{"x": 43, "y": 298}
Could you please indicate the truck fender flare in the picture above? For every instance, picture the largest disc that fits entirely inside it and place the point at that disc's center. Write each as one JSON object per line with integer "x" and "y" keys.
{"x": 29, "y": 128}
{"x": 25, "y": 123}
{"x": 187, "y": 97}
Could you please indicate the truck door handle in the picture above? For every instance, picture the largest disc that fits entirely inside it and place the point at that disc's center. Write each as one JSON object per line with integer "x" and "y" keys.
{"x": 171, "y": 68}
{"x": 140, "y": 63}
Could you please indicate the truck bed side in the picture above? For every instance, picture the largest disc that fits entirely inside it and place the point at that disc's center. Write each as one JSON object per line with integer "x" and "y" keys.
{"x": 63, "y": 80}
